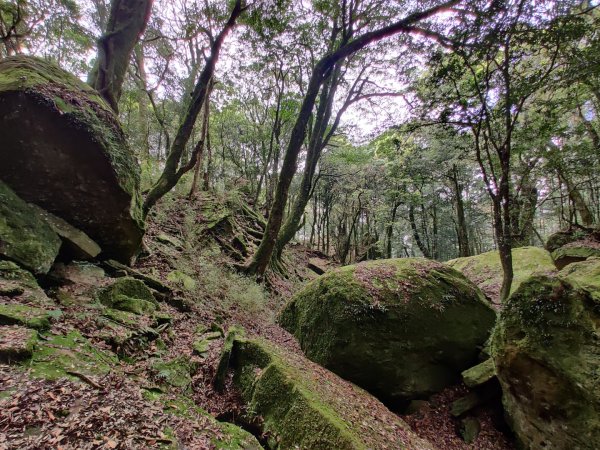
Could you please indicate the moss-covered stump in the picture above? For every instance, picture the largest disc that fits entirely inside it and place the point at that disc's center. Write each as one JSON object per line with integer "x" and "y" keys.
{"x": 547, "y": 354}
{"x": 306, "y": 407}
{"x": 63, "y": 149}
{"x": 485, "y": 269}
{"x": 16, "y": 343}
{"x": 575, "y": 252}
{"x": 401, "y": 328}
{"x": 25, "y": 237}
{"x": 128, "y": 294}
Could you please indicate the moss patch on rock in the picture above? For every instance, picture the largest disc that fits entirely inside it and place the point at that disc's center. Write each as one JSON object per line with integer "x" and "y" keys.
{"x": 304, "y": 406}
{"x": 575, "y": 252}
{"x": 400, "y": 328}
{"x": 175, "y": 373}
{"x": 62, "y": 355}
{"x": 547, "y": 357}
{"x": 25, "y": 237}
{"x": 64, "y": 150}
{"x": 128, "y": 294}
{"x": 27, "y": 316}
{"x": 21, "y": 285}
{"x": 485, "y": 269}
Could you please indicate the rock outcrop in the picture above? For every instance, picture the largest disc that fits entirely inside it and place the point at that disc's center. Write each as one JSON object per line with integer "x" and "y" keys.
{"x": 304, "y": 406}
{"x": 64, "y": 150}
{"x": 547, "y": 358}
{"x": 485, "y": 269}
{"x": 400, "y": 328}
{"x": 25, "y": 237}
{"x": 576, "y": 251}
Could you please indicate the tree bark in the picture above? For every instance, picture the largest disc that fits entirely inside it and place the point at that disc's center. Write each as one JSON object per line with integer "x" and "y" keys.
{"x": 126, "y": 24}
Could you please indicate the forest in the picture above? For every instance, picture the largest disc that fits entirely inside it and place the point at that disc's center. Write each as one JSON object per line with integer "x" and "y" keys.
{"x": 299, "y": 224}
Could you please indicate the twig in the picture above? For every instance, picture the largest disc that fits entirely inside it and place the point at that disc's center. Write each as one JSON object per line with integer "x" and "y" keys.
{"x": 85, "y": 378}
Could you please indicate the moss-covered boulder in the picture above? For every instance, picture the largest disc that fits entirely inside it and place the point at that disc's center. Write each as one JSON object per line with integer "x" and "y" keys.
{"x": 575, "y": 252}
{"x": 547, "y": 355}
{"x": 564, "y": 237}
{"x": 303, "y": 406}
{"x": 63, "y": 149}
{"x": 25, "y": 237}
{"x": 485, "y": 269}
{"x": 128, "y": 294}
{"x": 400, "y": 328}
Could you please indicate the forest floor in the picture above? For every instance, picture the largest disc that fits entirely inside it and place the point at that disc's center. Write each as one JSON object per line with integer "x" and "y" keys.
{"x": 116, "y": 409}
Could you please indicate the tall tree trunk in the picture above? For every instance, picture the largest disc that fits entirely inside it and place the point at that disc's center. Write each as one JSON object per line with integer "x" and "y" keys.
{"x": 415, "y": 230}
{"x": 173, "y": 169}
{"x": 126, "y": 24}
{"x": 199, "y": 150}
{"x": 461, "y": 222}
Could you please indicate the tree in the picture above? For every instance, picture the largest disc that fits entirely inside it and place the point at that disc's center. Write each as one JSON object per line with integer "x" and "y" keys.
{"x": 321, "y": 72}
{"x": 173, "y": 169}
{"x": 126, "y": 23}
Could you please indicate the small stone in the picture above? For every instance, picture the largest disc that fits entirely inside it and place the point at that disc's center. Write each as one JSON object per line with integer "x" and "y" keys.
{"x": 479, "y": 374}
{"x": 469, "y": 429}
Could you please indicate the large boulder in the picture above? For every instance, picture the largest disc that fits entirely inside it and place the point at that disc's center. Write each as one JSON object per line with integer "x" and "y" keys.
{"x": 300, "y": 405}
{"x": 547, "y": 355}
{"x": 25, "y": 237}
{"x": 485, "y": 269}
{"x": 400, "y": 328}
{"x": 64, "y": 150}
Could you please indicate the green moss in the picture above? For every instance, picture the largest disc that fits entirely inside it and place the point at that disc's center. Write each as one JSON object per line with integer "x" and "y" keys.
{"x": 176, "y": 372}
{"x": 485, "y": 269}
{"x": 301, "y": 411}
{"x": 54, "y": 357}
{"x": 584, "y": 275}
{"x": 27, "y": 316}
{"x": 182, "y": 279}
{"x": 123, "y": 289}
{"x": 122, "y": 317}
{"x": 230, "y": 437}
{"x": 371, "y": 324}
{"x": 25, "y": 237}
{"x": 545, "y": 348}
{"x": 571, "y": 253}
{"x": 134, "y": 305}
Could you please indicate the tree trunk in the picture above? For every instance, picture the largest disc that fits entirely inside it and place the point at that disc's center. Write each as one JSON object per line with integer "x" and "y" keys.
{"x": 415, "y": 230}
{"x": 461, "y": 222}
{"x": 126, "y": 24}
{"x": 172, "y": 171}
